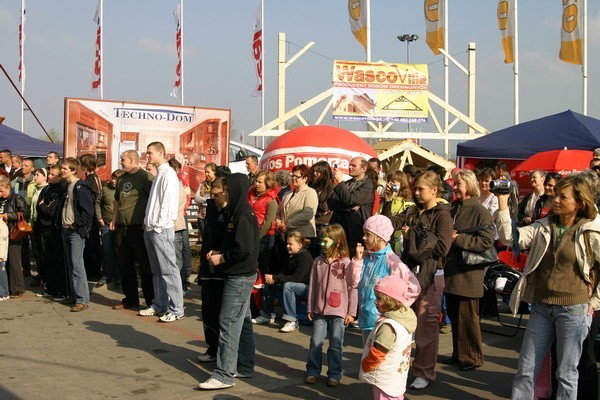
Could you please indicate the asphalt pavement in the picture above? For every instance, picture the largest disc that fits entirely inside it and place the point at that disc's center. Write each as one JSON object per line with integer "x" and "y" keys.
{"x": 48, "y": 352}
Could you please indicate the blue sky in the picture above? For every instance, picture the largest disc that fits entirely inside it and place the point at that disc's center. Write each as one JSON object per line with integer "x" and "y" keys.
{"x": 139, "y": 55}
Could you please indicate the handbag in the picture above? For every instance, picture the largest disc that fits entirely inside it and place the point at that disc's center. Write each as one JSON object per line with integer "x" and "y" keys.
{"x": 20, "y": 230}
{"x": 473, "y": 259}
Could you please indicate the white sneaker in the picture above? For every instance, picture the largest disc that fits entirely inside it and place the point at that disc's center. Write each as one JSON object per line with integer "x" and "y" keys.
{"x": 419, "y": 383}
{"x": 4, "y": 298}
{"x": 262, "y": 320}
{"x": 149, "y": 312}
{"x": 290, "y": 326}
{"x": 203, "y": 358}
{"x": 214, "y": 384}
{"x": 170, "y": 317}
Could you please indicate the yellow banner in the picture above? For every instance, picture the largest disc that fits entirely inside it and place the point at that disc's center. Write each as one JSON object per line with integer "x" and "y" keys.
{"x": 506, "y": 24}
{"x": 380, "y": 91}
{"x": 570, "y": 33}
{"x": 434, "y": 24}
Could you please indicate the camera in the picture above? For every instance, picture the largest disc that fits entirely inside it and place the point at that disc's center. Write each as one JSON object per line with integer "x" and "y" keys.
{"x": 500, "y": 187}
{"x": 395, "y": 187}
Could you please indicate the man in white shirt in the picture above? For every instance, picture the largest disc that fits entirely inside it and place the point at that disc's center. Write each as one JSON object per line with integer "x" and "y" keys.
{"x": 159, "y": 235}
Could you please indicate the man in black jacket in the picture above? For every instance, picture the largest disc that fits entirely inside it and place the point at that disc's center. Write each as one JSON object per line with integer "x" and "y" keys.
{"x": 238, "y": 261}
{"x": 76, "y": 211}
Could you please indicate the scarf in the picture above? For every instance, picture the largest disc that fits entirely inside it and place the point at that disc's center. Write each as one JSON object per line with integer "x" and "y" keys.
{"x": 375, "y": 268}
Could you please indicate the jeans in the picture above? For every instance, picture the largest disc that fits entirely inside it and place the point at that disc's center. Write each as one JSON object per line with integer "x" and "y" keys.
{"x": 3, "y": 280}
{"x": 236, "y": 337}
{"x": 110, "y": 270}
{"x": 166, "y": 280}
{"x": 291, "y": 292}
{"x": 569, "y": 326}
{"x": 332, "y": 327}
{"x": 73, "y": 245}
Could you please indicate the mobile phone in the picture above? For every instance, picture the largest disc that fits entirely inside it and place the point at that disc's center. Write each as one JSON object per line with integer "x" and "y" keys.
{"x": 334, "y": 165}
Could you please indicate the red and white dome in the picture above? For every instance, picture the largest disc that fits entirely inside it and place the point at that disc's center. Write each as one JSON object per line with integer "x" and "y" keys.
{"x": 310, "y": 144}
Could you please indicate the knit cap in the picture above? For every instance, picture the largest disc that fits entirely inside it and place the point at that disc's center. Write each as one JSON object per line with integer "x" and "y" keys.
{"x": 398, "y": 288}
{"x": 381, "y": 226}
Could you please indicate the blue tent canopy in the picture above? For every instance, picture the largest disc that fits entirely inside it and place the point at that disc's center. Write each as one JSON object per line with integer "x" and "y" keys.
{"x": 19, "y": 143}
{"x": 566, "y": 129}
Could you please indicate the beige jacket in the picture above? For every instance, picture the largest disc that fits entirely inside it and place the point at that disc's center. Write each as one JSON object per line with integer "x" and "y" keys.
{"x": 298, "y": 209}
{"x": 536, "y": 237}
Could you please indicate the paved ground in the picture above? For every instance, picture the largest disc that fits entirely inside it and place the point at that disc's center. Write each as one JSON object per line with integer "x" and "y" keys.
{"x": 47, "y": 352}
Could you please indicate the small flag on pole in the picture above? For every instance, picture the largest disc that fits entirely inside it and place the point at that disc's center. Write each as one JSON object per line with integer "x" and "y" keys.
{"x": 97, "y": 73}
{"x": 176, "y": 92}
{"x": 570, "y": 33}
{"x": 434, "y": 22}
{"x": 22, "y": 44}
{"x": 506, "y": 24}
{"x": 257, "y": 47}
{"x": 358, "y": 20}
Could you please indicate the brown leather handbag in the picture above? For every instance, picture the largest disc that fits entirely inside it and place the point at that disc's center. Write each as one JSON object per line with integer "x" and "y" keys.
{"x": 20, "y": 230}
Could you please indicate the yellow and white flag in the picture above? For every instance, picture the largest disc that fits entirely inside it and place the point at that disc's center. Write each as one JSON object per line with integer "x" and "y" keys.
{"x": 434, "y": 21}
{"x": 570, "y": 33}
{"x": 506, "y": 23}
{"x": 358, "y": 20}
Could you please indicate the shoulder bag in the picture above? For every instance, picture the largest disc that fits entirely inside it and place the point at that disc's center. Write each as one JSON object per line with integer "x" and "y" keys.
{"x": 20, "y": 230}
{"x": 474, "y": 260}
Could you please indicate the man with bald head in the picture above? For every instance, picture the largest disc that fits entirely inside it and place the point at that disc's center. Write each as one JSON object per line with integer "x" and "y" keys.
{"x": 352, "y": 201}
{"x": 131, "y": 198}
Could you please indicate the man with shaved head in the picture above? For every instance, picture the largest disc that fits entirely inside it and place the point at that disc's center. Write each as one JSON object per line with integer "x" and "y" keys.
{"x": 131, "y": 198}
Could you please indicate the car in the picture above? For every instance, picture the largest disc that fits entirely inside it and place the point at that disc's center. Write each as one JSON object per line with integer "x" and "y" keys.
{"x": 238, "y": 153}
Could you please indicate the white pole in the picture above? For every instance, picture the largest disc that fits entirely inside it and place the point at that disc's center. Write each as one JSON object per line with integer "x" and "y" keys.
{"x": 22, "y": 45}
{"x": 181, "y": 47}
{"x": 584, "y": 68}
{"x": 262, "y": 61}
{"x": 101, "y": 49}
{"x": 446, "y": 80}
{"x": 516, "y": 61}
{"x": 368, "y": 11}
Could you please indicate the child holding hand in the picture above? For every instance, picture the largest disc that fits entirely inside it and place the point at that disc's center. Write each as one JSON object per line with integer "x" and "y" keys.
{"x": 386, "y": 356}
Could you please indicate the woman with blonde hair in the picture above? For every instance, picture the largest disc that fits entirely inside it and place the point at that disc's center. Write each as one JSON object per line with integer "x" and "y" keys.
{"x": 560, "y": 280}
{"x": 473, "y": 232}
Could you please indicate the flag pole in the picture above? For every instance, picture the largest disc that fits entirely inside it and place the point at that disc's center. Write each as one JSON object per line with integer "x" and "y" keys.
{"x": 262, "y": 60}
{"x": 368, "y": 10}
{"x": 584, "y": 69}
{"x": 516, "y": 60}
{"x": 101, "y": 50}
{"x": 446, "y": 75}
{"x": 22, "y": 65}
{"x": 181, "y": 28}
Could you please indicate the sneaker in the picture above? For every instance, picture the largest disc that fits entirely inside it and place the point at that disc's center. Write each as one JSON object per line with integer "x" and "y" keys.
{"x": 311, "y": 380}
{"x": 148, "y": 312}
{"x": 262, "y": 320}
{"x": 101, "y": 282}
{"x": 170, "y": 317}
{"x": 44, "y": 294}
{"x": 240, "y": 375}
{"x": 290, "y": 326}
{"x": 333, "y": 382}
{"x": 60, "y": 297}
{"x": 79, "y": 307}
{"x": 447, "y": 328}
{"x": 419, "y": 383}
{"x": 214, "y": 384}
{"x": 4, "y": 298}
{"x": 203, "y": 358}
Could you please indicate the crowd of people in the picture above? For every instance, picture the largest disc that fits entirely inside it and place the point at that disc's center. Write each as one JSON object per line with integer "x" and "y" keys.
{"x": 391, "y": 253}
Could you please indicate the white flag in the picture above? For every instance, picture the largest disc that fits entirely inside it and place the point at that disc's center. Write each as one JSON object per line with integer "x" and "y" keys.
{"x": 570, "y": 33}
{"x": 257, "y": 46}
{"x": 21, "y": 45}
{"x": 176, "y": 92}
{"x": 358, "y": 20}
{"x": 97, "y": 72}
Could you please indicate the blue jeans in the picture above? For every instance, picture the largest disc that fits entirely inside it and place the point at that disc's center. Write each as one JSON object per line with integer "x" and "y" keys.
{"x": 236, "y": 337}
{"x": 73, "y": 246}
{"x": 166, "y": 280}
{"x": 3, "y": 280}
{"x": 291, "y": 292}
{"x": 569, "y": 326}
{"x": 110, "y": 270}
{"x": 331, "y": 327}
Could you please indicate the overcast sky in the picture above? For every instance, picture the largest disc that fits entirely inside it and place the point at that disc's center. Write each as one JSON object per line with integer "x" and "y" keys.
{"x": 140, "y": 58}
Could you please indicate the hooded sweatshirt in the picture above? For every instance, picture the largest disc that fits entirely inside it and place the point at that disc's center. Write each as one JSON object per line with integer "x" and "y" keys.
{"x": 241, "y": 240}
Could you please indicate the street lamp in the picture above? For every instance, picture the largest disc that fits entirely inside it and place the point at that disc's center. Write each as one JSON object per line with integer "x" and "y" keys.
{"x": 408, "y": 37}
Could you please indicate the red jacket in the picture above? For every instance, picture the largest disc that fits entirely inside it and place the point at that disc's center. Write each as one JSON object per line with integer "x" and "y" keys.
{"x": 259, "y": 205}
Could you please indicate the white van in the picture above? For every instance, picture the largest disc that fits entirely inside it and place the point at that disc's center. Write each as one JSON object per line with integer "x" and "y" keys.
{"x": 238, "y": 153}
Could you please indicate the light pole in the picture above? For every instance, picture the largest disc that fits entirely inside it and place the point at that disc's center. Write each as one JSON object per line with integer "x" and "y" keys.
{"x": 408, "y": 37}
